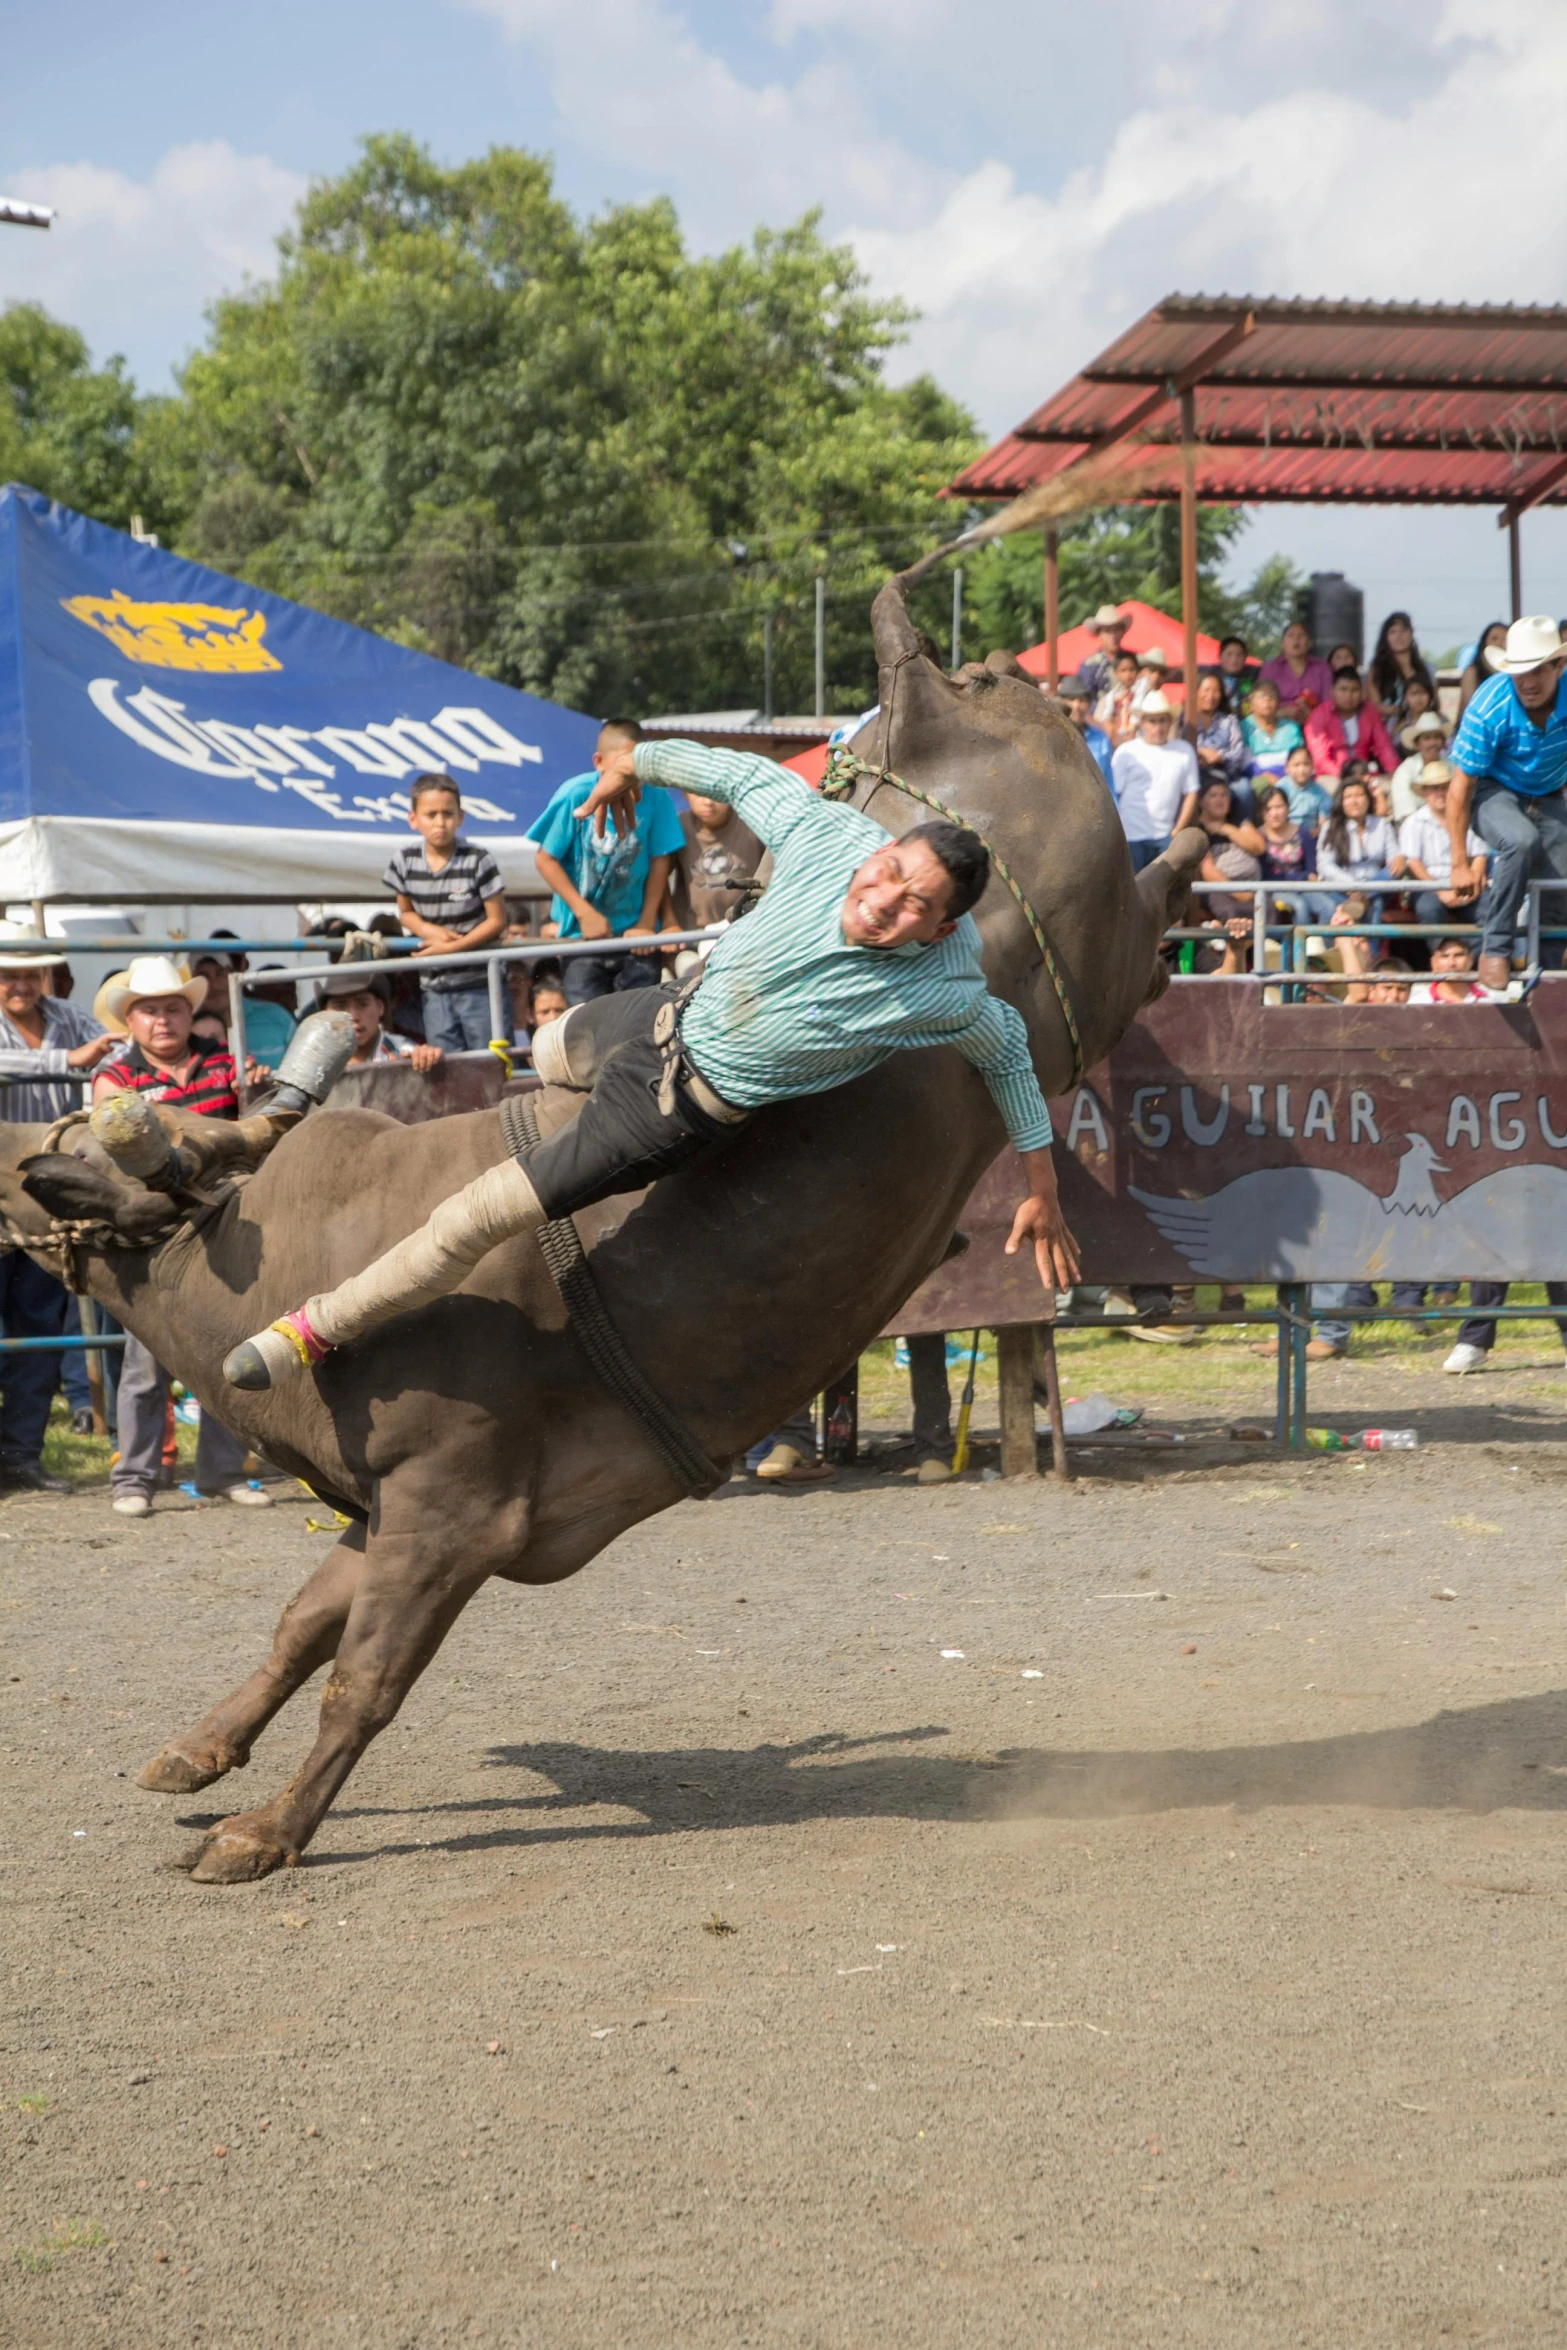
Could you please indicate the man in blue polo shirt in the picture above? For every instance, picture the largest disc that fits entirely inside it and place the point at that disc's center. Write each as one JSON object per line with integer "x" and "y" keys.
{"x": 1509, "y": 763}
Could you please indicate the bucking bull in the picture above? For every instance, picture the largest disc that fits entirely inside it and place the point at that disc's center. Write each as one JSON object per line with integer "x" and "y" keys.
{"x": 471, "y": 1438}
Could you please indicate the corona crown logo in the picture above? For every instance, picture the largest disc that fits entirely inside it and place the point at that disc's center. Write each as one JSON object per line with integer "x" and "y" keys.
{"x": 178, "y": 636}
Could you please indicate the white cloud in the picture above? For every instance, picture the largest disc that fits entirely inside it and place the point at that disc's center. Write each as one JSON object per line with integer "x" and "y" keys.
{"x": 633, "y": 83}
{"x": 132, "y": 262}
{"x": 1319, "y": 192}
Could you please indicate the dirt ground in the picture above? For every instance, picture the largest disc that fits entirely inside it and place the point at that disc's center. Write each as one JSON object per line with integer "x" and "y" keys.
{"x": 1104, "y": 1916}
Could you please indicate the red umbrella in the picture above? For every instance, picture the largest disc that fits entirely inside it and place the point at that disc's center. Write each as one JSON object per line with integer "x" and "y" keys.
{"x": 1147, "y": 627}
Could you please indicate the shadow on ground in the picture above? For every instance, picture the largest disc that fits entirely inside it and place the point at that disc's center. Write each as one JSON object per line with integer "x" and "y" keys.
{"x": 1512, "y": 1755}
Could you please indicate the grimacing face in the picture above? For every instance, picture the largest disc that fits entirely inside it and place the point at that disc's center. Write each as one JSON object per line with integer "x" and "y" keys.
{"x": 899, "y": 894}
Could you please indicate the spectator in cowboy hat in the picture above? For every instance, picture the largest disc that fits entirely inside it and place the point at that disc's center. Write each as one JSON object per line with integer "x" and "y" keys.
{"x": 363, "y": 994}
{"x": 47, "y": 1046}
{"x": 1156, "y": 783}
{"x": 1428, "y": 851}
{"x": 1425, "y": 739}
{"x": 1109, "y": 626}
{"x": 158, "y": 1000}
{"x": 1509, "y": 762}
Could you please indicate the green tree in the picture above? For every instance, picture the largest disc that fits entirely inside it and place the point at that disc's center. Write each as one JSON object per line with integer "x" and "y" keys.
{"x": 76, "y": 432}
{"x": 570, "y": 455}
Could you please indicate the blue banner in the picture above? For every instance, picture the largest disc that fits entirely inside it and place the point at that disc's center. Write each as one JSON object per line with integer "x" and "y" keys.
{"x": 139, "y": 688}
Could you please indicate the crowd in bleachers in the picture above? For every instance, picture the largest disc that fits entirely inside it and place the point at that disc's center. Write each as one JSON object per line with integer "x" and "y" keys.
{"x": 1308, "y": 772}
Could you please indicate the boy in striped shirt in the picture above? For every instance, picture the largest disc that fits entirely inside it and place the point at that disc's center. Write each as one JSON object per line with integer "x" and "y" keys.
{"x": 448, "y": 893}
{"x": 862, "y": 946}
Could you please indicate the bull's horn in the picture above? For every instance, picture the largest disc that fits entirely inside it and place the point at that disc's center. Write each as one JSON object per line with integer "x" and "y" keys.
{"x": 317, "y": 1055}
{"x": 130, "y": 1130}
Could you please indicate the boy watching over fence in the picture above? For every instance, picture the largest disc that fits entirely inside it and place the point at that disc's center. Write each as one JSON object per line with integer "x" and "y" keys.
{"x": 449, "y": 894}
{"x": 607, "y": 884}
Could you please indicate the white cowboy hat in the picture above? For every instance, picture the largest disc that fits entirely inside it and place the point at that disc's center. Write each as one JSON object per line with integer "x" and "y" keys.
{"x": 100, "y": 1007}
{"x": 1154, "y": 705}
{"x": 1530, "y": 644}
{"x": 1108, "y": 617}
{"x": 149, "y": 975}
{"x": 1429, "y": 722}
{"x": 1152, "y": 659}
{"x": 22, "y": 949}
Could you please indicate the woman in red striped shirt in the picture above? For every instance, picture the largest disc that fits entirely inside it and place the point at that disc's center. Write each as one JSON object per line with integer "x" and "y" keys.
{"x": 157, "y": 1003}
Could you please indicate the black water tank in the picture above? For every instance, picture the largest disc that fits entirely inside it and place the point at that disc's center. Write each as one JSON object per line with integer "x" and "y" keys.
{"x": 1334, "y": 611}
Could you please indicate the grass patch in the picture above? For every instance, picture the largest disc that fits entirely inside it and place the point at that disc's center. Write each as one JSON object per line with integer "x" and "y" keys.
{"x": 1217, "y": 1376}
{"x": 85, "y": 1459}
{"x": 72, "y": 2235}
{"x": 33, "y": 2104}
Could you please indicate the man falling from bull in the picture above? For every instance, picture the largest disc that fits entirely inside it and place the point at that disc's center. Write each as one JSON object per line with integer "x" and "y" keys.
{"x": 862, "y": 946}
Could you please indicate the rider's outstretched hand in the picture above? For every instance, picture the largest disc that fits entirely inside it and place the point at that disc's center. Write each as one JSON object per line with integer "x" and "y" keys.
{"x": 615, "y": 794}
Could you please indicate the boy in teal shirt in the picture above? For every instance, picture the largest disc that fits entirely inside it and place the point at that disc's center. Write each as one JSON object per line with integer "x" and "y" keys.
{"x": 607, "y": 884}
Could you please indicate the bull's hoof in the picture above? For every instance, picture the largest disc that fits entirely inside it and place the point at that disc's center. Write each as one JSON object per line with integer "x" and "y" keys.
{"x": 238, "y": 1851}
{"x": 176, "y": 1771}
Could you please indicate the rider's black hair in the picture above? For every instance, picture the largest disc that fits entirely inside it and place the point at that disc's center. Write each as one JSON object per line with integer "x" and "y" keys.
{"x": 964, "y": 858}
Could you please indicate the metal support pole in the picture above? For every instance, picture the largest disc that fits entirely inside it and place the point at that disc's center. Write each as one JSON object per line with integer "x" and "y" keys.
{"x": 821, "y": 645}
{"x": 1281, "y": 1407}
{"x": 237, "y": 1036}
{"x": 767, "y": 665}
{"x": 1515, "y": 566}
{"x": 957, "y": 617}
{"x": 1259, "y": 931}
{"x": 500, "y": 1004}
{"x": 1297, "y": 1296}
{"x": 1189, "y": 562}
{"x": 1052, "y": 607}
{"x": 1015, "y": 1370}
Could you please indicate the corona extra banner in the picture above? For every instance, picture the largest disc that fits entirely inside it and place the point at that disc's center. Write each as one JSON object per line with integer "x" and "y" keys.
{"x": 167, "y": 731}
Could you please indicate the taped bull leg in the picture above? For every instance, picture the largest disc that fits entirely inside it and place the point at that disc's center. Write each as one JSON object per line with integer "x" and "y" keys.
{"x": 430, "y": 1263}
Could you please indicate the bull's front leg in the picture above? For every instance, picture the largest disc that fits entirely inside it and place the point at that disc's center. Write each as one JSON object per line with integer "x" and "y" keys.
{"x": 404, "y": 1606}
{"x": 306, "y": 1638}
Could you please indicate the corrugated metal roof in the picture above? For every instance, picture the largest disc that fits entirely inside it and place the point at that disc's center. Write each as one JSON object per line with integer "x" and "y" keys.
{"x": 1339, "y": 402}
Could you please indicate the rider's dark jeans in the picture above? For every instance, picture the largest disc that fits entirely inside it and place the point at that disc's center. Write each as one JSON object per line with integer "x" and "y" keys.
{"x": 621, "y": 1139}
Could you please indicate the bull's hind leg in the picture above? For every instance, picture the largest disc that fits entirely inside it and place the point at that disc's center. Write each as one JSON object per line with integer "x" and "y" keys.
{"x": 307, "y": 1636}
{"x": 407, "y": 1600}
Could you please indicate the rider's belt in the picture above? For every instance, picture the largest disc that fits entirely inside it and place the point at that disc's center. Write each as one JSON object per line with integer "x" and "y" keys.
{"x": 677, "y": 1075}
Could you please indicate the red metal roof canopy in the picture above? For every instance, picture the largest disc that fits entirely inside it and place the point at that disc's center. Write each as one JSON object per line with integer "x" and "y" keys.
{"x": 1331, "y": 402}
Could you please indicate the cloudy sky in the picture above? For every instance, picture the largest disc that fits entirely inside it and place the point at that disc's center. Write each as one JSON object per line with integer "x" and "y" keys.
{"x": 1030, "y": 175}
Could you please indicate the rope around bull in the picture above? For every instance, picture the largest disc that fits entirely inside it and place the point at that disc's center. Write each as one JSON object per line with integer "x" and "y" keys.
{"x": 844, "y": 770}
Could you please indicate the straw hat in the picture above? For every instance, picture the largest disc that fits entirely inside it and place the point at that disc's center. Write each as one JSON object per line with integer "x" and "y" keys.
{"x": 1434, "y": 772}
{"x": 1152, "y": 659}
{"x": 100, "y": 1006}
{"x": 1108, "y": 617}
{"x": 354, "y": 979}
{"x": 22, "y": 949}
{"x": 1155, "y": 706}
{"x": 1530, "y": 644}
{"x": 1429, "y": 722}
{"x": 147, "y": 975}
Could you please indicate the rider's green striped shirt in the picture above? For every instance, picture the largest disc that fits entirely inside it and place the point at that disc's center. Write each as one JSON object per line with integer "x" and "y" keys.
{"x": 788, "y": 1005}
